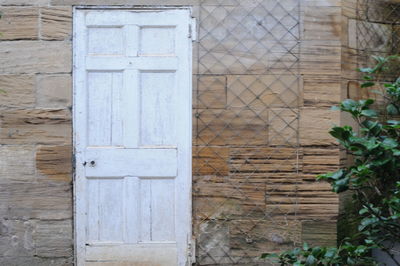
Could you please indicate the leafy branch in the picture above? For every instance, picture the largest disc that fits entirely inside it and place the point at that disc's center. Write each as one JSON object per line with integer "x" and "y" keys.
{"x": 373, "y": 177}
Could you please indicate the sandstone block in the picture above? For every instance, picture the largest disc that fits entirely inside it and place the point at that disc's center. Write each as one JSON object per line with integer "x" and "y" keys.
{"x": 260, "y": 91}
{"x": 260, "y": 165}
{"x": 375, "y": 37}
{"x": 315, "y": 125}
{"x": 17, "y": 163}
{"x": 55, "y": 162}
{"x": 35, "y": 57}
{"x": 228, "y": 199}
{"x": 324, "y": 92}
{"x": 56, "y": 23}
{"x": 210, "y": 161}
{"x": 323, "y": 3}
{"x": 38, "y": 126}
{"x": 209, "y": 233}
{"x": 16, "y": 238}
{"x": 351, "y": 59}
{"x": 19, "y": 91}
{"x": 24, "y": 2}
{"x": 211, "y": 92}
{"x": 53, "y": 238}
{"x": 319, "y": 161}
{"x": 234, "y": 127}
{"x": 36, "y": 200}
{"x": 321, "y": 58}
{"x": 35, "y": 261}
{"x": 19, "y": 23}
{"x": 283, "y": 126}
{"x": 349, "y": 8}
{"x": 249, "y": 237}
{"x": 324, "y": 24}
{"x": 319, "y": 233}
{"x": 54, "y": 91}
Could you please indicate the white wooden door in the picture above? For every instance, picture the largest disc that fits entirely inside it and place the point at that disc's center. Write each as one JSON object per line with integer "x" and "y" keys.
{"x": 132, "y": 133}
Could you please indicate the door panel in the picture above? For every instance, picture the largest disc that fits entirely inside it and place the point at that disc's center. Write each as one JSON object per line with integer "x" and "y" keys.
{"x": 132, "y": 133}
{"x": 157, "y": 124}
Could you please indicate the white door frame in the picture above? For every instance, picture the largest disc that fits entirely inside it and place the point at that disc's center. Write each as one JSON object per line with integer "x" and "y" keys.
{"x": 79, "y": 232}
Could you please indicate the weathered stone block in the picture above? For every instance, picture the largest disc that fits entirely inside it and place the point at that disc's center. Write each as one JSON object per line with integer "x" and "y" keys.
{"x": 24, "y": 2}
{"x": 210, "y": 161}
{"x": 260, "y": 91}
{"x": 213, "y": 238}
{"x": 54, "y": 91}
{"x": 319, "y": 161}
{"x": 38, "y": 126}
{"x": 260, "y": 165}
{"x": 351, "y": 59}
{"x": 320, "y": 57}
{"x": 35, "y": 261}
{"x": 234, "y": 127}
{"x": 16, "y": 238}
{"x": 228, "y": 199}
{"x": 323, "y": 3}
{"x": 317, "y": 201}
{"x": 349, "y": 8}
{"x": 56, "y": 23}
{"x": 352, "y": 33}
{"x": 211, "y": 92}
{"x": 19, "y": 91}
{"x": 324, "y": 92}
{"x": 373, "y": 36}
{"x": 55, "y": 162}
{"x": 17, "y": 163}
{"x": 319, "y": 233}
{"x": 308, "y": 192}
{"x": 324, "y": 24}
{"x": 315, "y": 125}
{"x": 35, "y": 57}
{"x": 252, "y": 237}
{"x": 53, "y": 238}
{"x": 283, "y": 124}
{"x": 36, "y": 200}
{"x": 19, "y": 23}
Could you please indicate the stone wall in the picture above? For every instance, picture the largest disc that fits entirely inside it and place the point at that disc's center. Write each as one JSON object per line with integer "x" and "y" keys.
{"x": 276, "y": 207}
{"x": 36, "y": 166}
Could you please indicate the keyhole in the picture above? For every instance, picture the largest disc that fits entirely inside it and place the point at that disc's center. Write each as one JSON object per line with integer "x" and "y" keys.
{"x": 92, "y": 163}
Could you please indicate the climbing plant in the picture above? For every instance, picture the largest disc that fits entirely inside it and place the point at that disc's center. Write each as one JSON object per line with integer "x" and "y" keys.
{"x": 373, "y": 176}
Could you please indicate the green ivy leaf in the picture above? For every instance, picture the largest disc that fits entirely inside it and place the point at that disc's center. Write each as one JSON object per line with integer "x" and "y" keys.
{"x": 341, "y": 133}
{"x": 349, "y": 104}
{"x": 341, "y": 185}
{"x": 367, "y": 222}
{"x": 392, "y": 109}
{"x": 389, "y": 143}
{"x": 311, "y": 260}
{"x": 369, "y": 113}
{"x": 368, "y": 84}
{"x": 365, "y": 70}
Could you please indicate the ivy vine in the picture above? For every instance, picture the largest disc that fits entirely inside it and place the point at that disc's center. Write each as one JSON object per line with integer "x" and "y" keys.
{"x": 373, "y": 176}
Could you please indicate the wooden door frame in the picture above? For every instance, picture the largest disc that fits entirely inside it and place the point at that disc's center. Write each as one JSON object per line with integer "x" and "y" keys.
{"x": 79, "y": 230}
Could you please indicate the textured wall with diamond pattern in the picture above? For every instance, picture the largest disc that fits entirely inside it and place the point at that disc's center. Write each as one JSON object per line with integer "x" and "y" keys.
{"x": 253, "y": 168}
